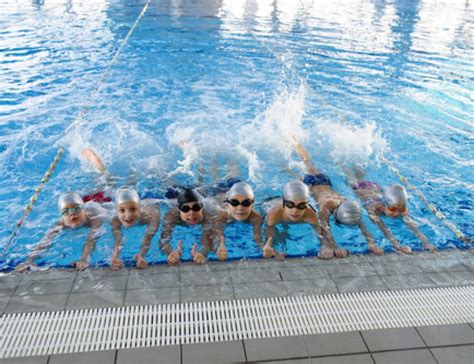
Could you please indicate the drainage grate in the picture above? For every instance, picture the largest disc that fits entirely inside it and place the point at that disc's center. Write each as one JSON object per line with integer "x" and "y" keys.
{"x": 43, "y": 333}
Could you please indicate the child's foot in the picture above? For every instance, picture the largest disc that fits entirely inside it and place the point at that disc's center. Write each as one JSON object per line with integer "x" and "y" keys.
{"x": 326, "y": 253}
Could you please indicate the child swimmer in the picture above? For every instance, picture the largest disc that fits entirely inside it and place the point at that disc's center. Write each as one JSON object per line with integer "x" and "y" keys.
{"x": 130, "y": 211}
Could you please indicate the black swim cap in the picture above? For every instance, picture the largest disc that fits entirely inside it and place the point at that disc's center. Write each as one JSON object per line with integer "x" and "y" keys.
{"x": 188, "y": 195}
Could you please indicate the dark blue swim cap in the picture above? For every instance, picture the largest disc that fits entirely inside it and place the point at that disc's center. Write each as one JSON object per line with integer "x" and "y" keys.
{"x": 188, "y": 195}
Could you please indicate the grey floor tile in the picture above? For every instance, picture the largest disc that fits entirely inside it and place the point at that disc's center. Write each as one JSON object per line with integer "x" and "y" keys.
{"x": 3, "y": 304}
{"x": 205, "y": 278}
{"x": 99, "y": 283}
{"x": 351, "y": 270}
{"x": 447, "y": 334}
{"x": 290, "y": 361}
{"x": 454, "y": 354}
{"x": 254, "y": 275}
{"x": 303, "y": 272}
{"x": 53, "y": 302}
{"x": 408, "y": 281}
{"x": 452, "y": 278}
{"x": 275, "y": 348}
{"x": 206, "y": 293}
{"x": 150, "y": 281}
{"x": 209, "y": 267}
{"x": 30, "y": 360}
{"x": 214, "y": 353}
{"x": 103, "y": 272}
{"x": 95, "y": 299}
{"x": 8, "y": 286}
{"x": 422, "y": 356}
{"x": 360, "y": 284}
{"x": 437, "y": 265}
{"x": 158, "y": 355}
{"x": 332, "y": 344}
{"x": 50, "y": 274}
{"x": 344, "y": 359}
{"x": 138, "y": 297}
{"x": 396, "y": 267}
{"x": 392, "y": 339}
{"x": 102, "y": 357}
{"x": 30, "y": 288}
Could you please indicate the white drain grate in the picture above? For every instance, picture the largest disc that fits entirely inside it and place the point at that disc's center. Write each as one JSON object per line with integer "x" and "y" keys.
{"x": 43, "y": 333}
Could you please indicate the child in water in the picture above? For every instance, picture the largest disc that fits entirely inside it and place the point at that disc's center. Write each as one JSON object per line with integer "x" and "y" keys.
{"x": 294, "y": 208}
{"x": 130, "y": 211}
{"x": 390, "y": 202}
{"x": 238, "y": 206}
{"x": 191, "y": 211}
{"x": 76, "y": 212}
{"x": 330, "y": 202}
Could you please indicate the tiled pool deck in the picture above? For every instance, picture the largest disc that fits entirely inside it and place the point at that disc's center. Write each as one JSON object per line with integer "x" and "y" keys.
{"x": 67, "y": 289}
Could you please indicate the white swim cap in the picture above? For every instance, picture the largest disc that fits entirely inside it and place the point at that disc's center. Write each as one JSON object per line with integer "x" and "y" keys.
{"x": 68, "y": 198}
{"x": 348, "y": 213}
{"x": 126, "y": 194}
{"x": 241, "y": 188}
{"x": 395, "y": 195}
{"x": 296, "y": 190}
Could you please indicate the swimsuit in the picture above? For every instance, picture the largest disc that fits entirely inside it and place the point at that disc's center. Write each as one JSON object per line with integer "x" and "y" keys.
{"x": 370, "y": 202}
{"x": 98, "y": 197}
{"x": 366, "y": 185}
{"x": 319, "y": 179}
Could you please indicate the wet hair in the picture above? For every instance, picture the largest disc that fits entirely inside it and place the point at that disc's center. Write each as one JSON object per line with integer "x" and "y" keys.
{"x": 188, "y": 195}
{"x": 126, "y": 194}
{"x": 348, "y": 213}
{"x": 240, "y": 188}
{"x": 68, "y": 198}
{"x": 395, "y": 195}
{"x": 296, "y": 190}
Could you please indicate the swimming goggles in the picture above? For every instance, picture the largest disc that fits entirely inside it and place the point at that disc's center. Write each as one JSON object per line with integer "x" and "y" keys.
{"x": 292, "y": 205}
{"x": 394, "y": 209}
{"x": 234, "y": 202}
{"x": 197, "y": 207}
{"x": 71, "y": 210}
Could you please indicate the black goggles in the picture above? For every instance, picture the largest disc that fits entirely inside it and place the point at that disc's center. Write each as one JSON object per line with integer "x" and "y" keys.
{"x": 234, "y": 202}
{"x": 197, "y": 207}
{"x": 292, "y": 205}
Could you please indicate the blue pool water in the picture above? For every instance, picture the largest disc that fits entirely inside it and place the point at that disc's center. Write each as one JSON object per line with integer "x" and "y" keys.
{"x": 235, "y": 79}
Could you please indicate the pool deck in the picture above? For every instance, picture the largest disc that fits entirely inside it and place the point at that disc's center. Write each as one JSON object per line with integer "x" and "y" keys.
{"x": 67, "y": 289}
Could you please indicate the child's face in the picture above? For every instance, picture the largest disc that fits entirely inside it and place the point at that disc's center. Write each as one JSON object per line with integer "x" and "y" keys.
{"x": 192, "y": 213}
{"x": 240, "y": 207}
{"x": 396, "y": 210}
{"x": 295, "y": 210}
{"x": 73, "y": 215}
{"x": 128, "y": 213}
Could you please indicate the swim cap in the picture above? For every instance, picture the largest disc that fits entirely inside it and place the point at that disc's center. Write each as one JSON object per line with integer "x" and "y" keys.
{"x": 68, "y": 198}
{"x": 188, "y": 195}
{"x": 296, "y": 190}
{"x": 348, "y": 213}
{"x": 240, "y": 188}
{"x": 395, "y": 195}
{"x": 126, "y": 194}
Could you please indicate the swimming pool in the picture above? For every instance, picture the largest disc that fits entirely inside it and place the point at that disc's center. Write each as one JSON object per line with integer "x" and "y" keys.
{"x": 234, "y": 79}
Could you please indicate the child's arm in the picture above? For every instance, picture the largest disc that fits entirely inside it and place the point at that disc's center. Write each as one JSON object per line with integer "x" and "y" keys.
{"x": 116, "y": 263}
{"x": 152, "y": 219}
{"x": 376, "y": 220}
{"x": 327, "y": 252}
{"x": 419, "y": 234}
{"x": 270, "y": 233}
{"x": 257, "y": 221}
{"x": 89, "y": 246}
{"x": 170, "y": 222}
{"x": 370, "y": 240}
{"x": 44, "y": 244}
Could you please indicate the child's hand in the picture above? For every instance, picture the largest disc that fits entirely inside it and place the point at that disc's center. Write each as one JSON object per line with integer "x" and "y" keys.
{"x": 116, "y": 263}
{"x": 175, "y": 255}
{"x": 375, "y": 249}
{"x": 341, "y": 253}
{"x": 326, "y": 253}
{"x": 268, "y": 251}
{"x": 222, "y": 251}
{"x": 405, "y": 249}
{"x": 431, "y": 248}
{"x": 198, "y": 258}
{"x": 280, "y": 256}
{"x": 23, "y": 267}
{"x": 80, "y": 265}
{"x": 141, "y": 262}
